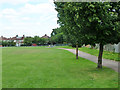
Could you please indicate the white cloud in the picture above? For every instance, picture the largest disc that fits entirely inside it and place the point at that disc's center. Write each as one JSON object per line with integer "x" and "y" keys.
{"x": 7, "y": 28}
{"x": 15, "y": 2}
{"x": 9, "y": 14}
{"x": 38, "y": 23}
{"x": 51, "y": 1}
{"x": 1, "y": 15}
{"x": 26, "y": 18}
{"x": 38, "y": 8}
{"x": 30, "y": 19}
{"x": 9, "y": 11}
{"x": 9, "y": 17}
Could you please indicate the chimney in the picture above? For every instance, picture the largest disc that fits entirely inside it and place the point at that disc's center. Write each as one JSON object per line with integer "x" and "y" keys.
{"x": 16, "y": 35}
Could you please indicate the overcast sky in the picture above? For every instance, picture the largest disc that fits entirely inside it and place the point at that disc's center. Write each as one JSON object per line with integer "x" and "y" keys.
{"x": 27, "y": 17}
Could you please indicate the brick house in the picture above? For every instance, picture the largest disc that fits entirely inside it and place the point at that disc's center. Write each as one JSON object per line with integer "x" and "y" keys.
{"x": 45, "y": 36}
{"x": 18, "y": 40}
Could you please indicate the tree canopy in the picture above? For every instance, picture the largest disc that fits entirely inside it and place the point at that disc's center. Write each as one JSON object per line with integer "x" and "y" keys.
{"x": 91, "y": 22}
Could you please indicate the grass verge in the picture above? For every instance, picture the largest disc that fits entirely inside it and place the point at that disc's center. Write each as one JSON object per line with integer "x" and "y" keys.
{"x": 40, "y": 67}
{"x": 106, "y": 54}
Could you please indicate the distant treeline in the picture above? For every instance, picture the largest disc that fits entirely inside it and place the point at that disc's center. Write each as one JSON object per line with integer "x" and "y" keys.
{"x": 28, "y": 41}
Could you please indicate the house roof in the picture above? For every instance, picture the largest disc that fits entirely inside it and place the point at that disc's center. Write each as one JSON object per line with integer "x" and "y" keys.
{"x": 13, "y": 38}
{"x": 0, "y": 38}
{"x": 45, "y": 36}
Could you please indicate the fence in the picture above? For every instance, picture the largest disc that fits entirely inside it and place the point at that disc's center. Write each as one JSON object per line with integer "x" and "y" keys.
{"x": 110, "y": 47}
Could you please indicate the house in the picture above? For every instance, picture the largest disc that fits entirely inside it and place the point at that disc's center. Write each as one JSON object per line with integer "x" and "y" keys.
{"x": 18, "y": 40}
{"x": 45, "y": 36}
{"x": 1, "y": 41}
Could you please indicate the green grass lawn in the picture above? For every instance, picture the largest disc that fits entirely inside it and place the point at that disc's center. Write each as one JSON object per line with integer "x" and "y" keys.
{"x": 40, "y": 67}
{"x": 106, "y": 54}
{"x": 0, "y": 68}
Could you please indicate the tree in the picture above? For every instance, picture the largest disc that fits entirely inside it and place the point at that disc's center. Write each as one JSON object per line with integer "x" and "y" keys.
{"x": 93, "y": 22}
{"x": 4, "y": 43}
{"x": 67, "y": 22}
{"x": 11, "y": 43}
{"x": 44, "y": 41}
{"x": 57, "y": 36}
{"x": 101, "y": 23}
{"x": 28, "y": 41}
{"x": 36, "y": 40}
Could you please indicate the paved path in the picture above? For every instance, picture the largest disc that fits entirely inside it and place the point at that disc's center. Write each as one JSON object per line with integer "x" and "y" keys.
{"x": 108, "y": 63}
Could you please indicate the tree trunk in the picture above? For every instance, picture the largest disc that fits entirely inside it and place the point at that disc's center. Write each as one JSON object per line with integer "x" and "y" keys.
{"x": 76, "y": 51}
{"x": 100, "y": 56}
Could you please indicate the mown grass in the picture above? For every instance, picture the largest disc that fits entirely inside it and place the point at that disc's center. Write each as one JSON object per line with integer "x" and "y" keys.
{"x": 106, "y": 54}
{"x": 0, "y": 68}
{"x": 40, "y": 67}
